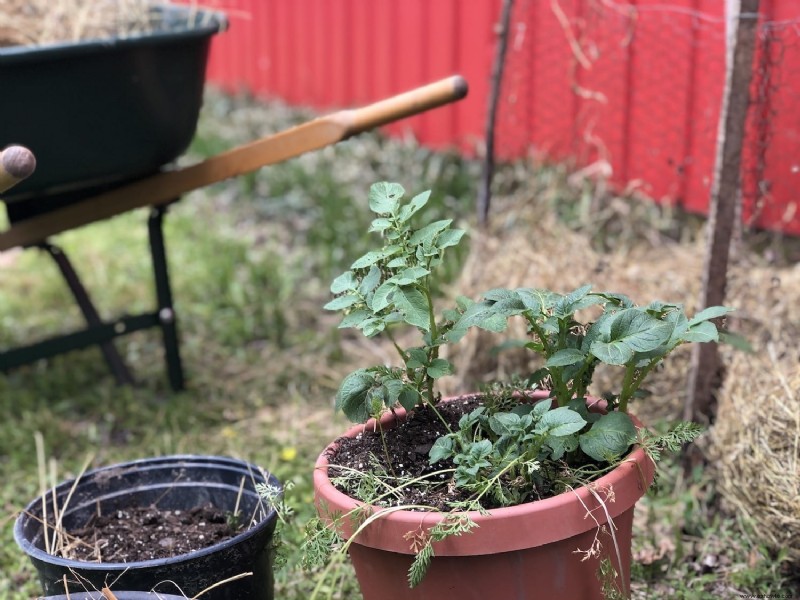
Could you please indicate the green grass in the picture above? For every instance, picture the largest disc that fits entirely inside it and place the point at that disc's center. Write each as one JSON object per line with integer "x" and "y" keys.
{"x": 251, "y": 261}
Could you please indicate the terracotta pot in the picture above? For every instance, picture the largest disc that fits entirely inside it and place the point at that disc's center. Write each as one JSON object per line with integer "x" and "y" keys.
{"x": 530, "y": 551}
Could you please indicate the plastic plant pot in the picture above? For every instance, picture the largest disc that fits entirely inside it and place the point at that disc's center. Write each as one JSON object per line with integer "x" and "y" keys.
{"x": 174, "y": 483}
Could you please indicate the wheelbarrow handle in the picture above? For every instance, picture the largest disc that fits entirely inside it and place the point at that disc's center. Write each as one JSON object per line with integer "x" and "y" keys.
{"x": 403, "y": 105}
{"x": 16, "y": 163}
{"x": 170, "y": 185}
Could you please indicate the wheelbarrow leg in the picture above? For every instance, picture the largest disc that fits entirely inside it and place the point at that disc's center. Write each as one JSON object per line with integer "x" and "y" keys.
{"x": 166, "y": 312}
{"x": 119, "y": 369}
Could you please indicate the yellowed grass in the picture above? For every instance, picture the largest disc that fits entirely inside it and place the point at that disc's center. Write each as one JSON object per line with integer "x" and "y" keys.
{"x": 756, "y": 446}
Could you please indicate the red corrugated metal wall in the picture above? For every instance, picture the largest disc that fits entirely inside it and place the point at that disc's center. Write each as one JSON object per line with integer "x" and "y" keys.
{"x": 633, "y": 88}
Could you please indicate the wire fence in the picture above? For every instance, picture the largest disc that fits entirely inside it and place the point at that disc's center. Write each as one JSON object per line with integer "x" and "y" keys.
{"x": 632, "y": 91}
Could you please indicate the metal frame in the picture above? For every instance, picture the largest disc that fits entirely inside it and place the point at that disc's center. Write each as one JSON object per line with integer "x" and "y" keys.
{"x": 102, "y": 333}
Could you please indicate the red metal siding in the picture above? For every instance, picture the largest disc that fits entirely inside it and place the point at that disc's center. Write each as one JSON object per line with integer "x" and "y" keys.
{"x": 633, "y": 88}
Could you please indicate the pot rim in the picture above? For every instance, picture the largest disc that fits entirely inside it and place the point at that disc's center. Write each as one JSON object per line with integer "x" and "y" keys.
{"x": 512, "y": 528}
{"x": 38, "y": 554}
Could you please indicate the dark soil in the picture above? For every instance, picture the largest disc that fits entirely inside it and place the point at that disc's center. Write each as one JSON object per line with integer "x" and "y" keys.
{"x": 147, "y": 533}
{"x": 407, "y": 446}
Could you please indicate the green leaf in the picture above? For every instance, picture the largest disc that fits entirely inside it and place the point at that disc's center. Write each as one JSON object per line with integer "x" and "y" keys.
{"x": 370, "y": 282}
{"x": 504, "y": 423}
{"x": 620, "y": 300}
{"x": 410, "y": 275}
{"x": 384, "y": 197}
{"x": 426, "y": 234}
{"x": 712, "y": 312}
{"x": 407, "y": 211}
{"x": 609, "y": 437}
{"x": 736, "y": 340}
{"x": 560, "y": 422}
{"x": 631, "y": 331}
{"x": 353, "y": 395}
{"x": 449, "y": 237}
{"x": 345, "y": 282}
{"x": 409, "y": 397}
{"x": 480, "y": 449}
{"x": 534, "y": 300}
{"x": 565, "y": 357}
{"x": 370, "y": 258}
{"x": 380, "y": 224}
{"x": 499, "y": 294}
{"x": 612, "y": 353}
{"x": 417, "y": 357}
{"x": 355, "y": 318}
{"x": 383, "y": 296}
{"x": 442, "y": 449}
{"x": 439, "y": 367}
{"x": 473, "y": 313}
{"x": 341, "y": 302}
{"x": 413, "y": 306}
{"x": 494, "y": 323}
{"x": 396, "y": 263}
{"x": 561, "y": 445}
{"x": 372, "y": 327}
{"x": 576, "y": 300}
{"x": 703, "y": 332}
{"x": 639, "y": 330}
{"x": 392, "y": 388}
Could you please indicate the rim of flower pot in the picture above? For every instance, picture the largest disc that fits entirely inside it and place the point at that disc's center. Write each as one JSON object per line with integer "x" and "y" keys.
{"x": 36, "y": 553}
{"x": 517, "y": 527}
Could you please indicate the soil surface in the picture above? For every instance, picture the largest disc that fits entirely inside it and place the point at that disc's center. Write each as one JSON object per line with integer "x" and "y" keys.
{"x": 148, "y": 533}
{"x": 407, "y": 447}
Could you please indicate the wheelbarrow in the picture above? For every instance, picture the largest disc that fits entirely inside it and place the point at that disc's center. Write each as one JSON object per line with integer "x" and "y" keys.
{"x": 35, "y": 214}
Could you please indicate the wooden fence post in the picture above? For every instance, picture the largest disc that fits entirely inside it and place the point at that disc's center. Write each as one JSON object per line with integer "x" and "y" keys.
{"x": 706, "y": 373}
{"x": 485, "y": 192}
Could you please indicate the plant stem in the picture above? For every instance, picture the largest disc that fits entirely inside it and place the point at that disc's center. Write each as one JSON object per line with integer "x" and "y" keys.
{"x": 627, "y": 387}
{"x": 385, "y": 448}
{"x": 440, "y": 417}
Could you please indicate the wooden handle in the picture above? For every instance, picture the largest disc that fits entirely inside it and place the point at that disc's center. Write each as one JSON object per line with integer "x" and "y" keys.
{"x": 404, "y": 105}
{"x": 16, "y": 163}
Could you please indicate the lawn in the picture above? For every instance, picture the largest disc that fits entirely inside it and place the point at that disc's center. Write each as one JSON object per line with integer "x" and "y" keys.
{"x": 251, "y": 261}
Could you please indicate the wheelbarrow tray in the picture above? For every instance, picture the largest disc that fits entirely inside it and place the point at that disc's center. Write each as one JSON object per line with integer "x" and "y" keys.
{"x": 103, "y": 111}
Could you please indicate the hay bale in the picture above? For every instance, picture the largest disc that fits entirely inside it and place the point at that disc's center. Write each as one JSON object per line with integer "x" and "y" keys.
{"x": 33, "y": 22}
{"x": 756, "y": 447}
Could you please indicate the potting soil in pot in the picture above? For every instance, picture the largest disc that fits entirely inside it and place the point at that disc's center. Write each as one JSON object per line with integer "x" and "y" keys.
{"x": 148, "y": 533}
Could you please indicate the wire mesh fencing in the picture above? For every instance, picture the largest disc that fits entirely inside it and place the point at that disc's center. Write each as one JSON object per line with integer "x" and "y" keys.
{"x": 632, "y": 91}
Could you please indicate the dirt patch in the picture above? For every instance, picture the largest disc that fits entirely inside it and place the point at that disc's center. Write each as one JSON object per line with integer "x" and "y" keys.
{"x": 405, "y": 456}
{"x": 148, "y": 533}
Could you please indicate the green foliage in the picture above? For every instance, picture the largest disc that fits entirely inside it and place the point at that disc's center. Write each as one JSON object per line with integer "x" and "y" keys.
{"x": 508, "y": 450}
{"x": 634, "y": 338}
{"x": 422, "y": 542}
{"x": 388, "y": 286}
{"x": 671, "y": 441}
{"x": 320, "y": 542}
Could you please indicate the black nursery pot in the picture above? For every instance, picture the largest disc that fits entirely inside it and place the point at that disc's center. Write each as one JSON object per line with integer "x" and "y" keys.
{"x": 170, "y": 482}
